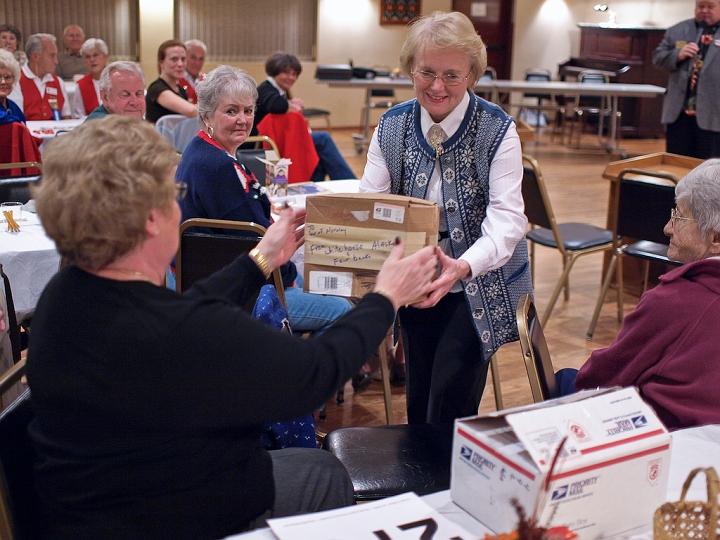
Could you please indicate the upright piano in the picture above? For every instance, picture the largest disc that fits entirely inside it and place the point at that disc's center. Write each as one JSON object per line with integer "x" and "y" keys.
{"x": 625, "y": 55}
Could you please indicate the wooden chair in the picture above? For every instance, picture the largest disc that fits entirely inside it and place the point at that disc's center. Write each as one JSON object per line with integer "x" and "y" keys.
{"x": 535, "y": 351}
{"x": 572, "y": 240}
{"x": 19, "y": 503}
{"x": 16, "y": 187}
{"x": 643, "y": 209}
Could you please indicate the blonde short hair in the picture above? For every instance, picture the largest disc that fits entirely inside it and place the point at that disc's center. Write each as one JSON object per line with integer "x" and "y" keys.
{"x": 100, "y": 182}
{"x": 452, "y": 31}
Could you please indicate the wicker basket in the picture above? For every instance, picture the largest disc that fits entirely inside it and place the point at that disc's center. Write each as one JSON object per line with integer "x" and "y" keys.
{"x": 686, "y": 520}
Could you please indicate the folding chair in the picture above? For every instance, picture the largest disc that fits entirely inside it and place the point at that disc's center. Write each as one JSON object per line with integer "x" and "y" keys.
{"x": 643, "y": 209}
{"x": 19, "y": 503}
{"x": 590, "y": 106}
{"x": 17, "y": 186}
{"x": 249, "y": 156}
{"x": 201, "y": 254}
{"x": 572, "y": 240}
{"x": 535, "y": 351}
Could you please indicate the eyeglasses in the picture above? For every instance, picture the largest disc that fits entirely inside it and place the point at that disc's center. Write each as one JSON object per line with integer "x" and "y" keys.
{"x": 449, "y": 79}
{"x": 181, "y": 189}
{"x": 675, "y": 216}
{"x": 7, "y": 78}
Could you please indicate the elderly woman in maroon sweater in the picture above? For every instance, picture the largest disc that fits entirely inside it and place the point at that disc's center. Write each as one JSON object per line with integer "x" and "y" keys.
{"x": 667, "y": 347}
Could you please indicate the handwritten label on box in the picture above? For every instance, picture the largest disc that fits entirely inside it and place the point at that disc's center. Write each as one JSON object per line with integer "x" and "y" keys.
{"x": 355, "y": 247}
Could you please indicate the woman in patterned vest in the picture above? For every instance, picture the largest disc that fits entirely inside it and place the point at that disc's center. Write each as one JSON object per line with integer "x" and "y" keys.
{"x": 450, "y": 146}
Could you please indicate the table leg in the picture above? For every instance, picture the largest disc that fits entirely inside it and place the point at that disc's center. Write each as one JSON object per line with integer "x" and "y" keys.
{"x": 362, "y": 140}
{"x": 615, "y": 126}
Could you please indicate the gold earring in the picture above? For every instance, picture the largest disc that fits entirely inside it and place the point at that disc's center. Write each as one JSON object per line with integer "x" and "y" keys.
{"x": 210, "y": 131}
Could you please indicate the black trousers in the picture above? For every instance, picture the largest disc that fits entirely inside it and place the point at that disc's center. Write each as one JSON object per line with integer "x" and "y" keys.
{"x": 684, "y": 137}
{"x": 446, "y": 372}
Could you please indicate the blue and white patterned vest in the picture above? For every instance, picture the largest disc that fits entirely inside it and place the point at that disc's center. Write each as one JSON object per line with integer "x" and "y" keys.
{"x": 465, "y": 168}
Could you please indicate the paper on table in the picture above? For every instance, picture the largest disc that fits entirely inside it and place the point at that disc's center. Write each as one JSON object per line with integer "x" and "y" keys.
{"x": 403, "y": 517}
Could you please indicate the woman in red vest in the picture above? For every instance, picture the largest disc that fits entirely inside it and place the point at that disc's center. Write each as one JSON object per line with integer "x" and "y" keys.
{"x": 87, "y": 97}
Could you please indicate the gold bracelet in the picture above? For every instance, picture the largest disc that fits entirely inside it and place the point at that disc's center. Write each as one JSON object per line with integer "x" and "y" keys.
{"x": 261, "y": 262}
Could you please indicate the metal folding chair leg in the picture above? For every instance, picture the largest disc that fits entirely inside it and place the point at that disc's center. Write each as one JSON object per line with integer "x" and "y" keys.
{"x": 603, "y": 292}
{"x": 497, "y": 390}
{"x": 385, "y": 376}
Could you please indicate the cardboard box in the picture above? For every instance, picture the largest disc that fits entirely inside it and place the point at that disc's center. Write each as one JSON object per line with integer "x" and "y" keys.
{"x": 276, "y": 174}
{"x": 611, "y": 476}
{"x": 348, "y": 236}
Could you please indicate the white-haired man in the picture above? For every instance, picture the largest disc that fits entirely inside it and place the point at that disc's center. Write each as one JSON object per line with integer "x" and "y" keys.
{"x": 122, "y": 91}
{"x": 41, "y": 95}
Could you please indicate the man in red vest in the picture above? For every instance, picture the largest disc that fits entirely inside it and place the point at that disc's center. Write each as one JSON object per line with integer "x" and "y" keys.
{"x": 196, "y": 50}
{"x": 41, "y": 95}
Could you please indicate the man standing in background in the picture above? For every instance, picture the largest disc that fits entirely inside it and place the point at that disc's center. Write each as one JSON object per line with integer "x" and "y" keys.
{"x": 690, "y": 51}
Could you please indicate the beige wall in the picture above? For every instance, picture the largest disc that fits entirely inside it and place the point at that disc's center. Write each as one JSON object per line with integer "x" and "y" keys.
{"x": 546, "y": 34}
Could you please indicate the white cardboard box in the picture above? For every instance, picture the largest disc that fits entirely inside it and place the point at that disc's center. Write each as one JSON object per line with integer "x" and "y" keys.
{"x": 610, "y": 477}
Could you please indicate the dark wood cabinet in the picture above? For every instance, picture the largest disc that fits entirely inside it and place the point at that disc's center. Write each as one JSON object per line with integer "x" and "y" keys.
{"x": 631, "y": 47}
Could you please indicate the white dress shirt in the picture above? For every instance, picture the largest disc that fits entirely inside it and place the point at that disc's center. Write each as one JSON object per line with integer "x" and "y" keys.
{"x": 17, "y": 96}
{"x": 505, "y": 222}
{"x": 78, "y": 105}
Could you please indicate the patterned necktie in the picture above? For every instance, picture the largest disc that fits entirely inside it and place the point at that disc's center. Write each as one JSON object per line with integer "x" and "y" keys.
{"x": 435, "y": 137}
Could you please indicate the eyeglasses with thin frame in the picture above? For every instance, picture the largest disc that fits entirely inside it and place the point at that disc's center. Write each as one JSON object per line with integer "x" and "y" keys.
{"x": 7, "y": 78}
{"x": 181, "y": 189}
{"x": 449, "y": 79}
{"x": 674, "y": 215}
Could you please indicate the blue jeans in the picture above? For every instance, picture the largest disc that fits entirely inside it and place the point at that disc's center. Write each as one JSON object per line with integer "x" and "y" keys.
{"x": 331, "y": 163}
{"x": 313, "y": 312}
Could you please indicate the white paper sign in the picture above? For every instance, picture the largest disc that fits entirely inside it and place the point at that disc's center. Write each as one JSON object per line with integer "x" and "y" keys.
{"x": 404, "y": 517}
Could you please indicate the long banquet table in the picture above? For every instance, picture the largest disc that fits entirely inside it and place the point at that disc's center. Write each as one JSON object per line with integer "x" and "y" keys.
{"x": 613, "y": 91}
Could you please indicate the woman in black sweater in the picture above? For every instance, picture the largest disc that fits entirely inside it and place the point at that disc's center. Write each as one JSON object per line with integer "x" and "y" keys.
{"x": 148, "y": 402}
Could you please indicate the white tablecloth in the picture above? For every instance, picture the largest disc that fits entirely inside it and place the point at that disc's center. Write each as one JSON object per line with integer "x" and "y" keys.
{"x": 29, "y": 259}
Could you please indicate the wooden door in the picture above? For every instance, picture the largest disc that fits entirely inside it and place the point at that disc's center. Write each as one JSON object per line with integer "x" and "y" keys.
{"x": 494, "y": 20}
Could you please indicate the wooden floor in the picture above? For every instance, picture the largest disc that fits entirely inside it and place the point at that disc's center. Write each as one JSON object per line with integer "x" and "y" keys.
{"x": 578, "y": 193}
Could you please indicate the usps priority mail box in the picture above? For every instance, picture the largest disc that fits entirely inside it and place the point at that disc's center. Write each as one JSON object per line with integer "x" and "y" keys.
{"x": 609, "y": 478}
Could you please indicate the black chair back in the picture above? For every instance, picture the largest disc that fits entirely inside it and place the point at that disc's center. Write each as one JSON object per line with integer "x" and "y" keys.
{"x": 592, "y": 102}
{"x": 249, "y": 159}
{"x": 203, "y": 252}
{"x": 535, "y": 208}
{"x": 644, "y": 209}
{"x": 17, "y": 457}
{"x": 538, "y": 75}
{"x": 17, "y": 188}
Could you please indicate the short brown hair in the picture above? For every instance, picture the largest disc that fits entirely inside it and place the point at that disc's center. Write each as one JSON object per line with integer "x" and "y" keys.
{"x": 281, "y": 62}
{"x": 100, "y": 182}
